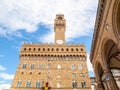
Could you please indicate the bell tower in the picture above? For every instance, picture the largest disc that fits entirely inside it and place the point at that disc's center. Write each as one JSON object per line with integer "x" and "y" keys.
{"x": 59, "y": 28}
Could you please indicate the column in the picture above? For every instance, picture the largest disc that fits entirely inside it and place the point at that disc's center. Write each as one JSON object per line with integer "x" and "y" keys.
{"x": 110, "y": 80}
{"x": 100, "y": 85}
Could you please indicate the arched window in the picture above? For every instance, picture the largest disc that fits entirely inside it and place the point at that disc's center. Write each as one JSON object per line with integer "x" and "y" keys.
{"x": 58, "y": 84}
{"x": 28, "y": 84}
{"x": 38, "y": 84}
{"x": 80, "y": 66}
{"x": 32, "y": 66}
{"x": 81, "y": 49}
{"x": 59, "y": 66}
{"x": 29, "y": 49}
{"x": 34, "y": 49}
{"x": 41, "y": 66}
{"x": 62, "y": 49}
{"x": 19, "y": 83}
{"x": 24, "y": 65}
{"x": 38, "y": 49}
{"x": 74, "y": 84}
{"x": 83, "y": 84}
{"x": 25, "y": 49}
{"x": 72, "y": 66}
{"x": 48, "y": 65}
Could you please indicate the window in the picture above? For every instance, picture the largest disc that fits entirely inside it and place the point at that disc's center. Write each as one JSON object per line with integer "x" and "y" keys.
{"x": 32, "y": 66}
{"x": 30, "y": 72}
{"x": 48, "y": 65}
{"x": 38, "y": 49}
{"x": 37, "y": 84}
{"x": 25, "y": 49}
{"x": 43, "y": 49}
{"x": 59, "y": 75}
{"x": 29, "y": 49}
{"x": 41, "y": 66}
{"x": 34, "y": 49}
{"x": 62, "y": 49}
{"x": 76, "y": 49}
{"x": 58, "y": 84}
{"x": 72, "y": 49}
{"x": 81, "y": 49}
{"x": 22, "y": 72}
{"x": 73, "y": 75}
{"x": 57, "y": 49}
{"x": 19, "y": 83}
{"x": 74, "y": 84}
{"x": 72, "y": 66}
{"x": 59, "y": 66}
{"x": 83, "y": 84}
{"x": 48, "y": 49}
{"x": 28, "y": 84}
{"x": 24, "y": 66}
{"x": 52, "y": 49}
{"x": 80, "y": 66}
{"x": 67, "y": 49}
{"x": 81, "y": 75}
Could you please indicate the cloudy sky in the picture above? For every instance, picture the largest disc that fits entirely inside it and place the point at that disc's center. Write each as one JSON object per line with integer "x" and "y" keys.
{"x": 33, "y": 21}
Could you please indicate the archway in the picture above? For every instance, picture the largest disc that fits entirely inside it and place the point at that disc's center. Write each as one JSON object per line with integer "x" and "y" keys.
{"x": 116, "y": 19}
{"x": 112, "y": 58}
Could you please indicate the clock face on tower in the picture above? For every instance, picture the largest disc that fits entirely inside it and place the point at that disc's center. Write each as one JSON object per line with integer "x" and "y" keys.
{"x": 59, "y": 41}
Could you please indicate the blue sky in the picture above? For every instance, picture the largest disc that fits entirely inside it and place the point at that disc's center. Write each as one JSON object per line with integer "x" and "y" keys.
{"x": 33, "y": 21}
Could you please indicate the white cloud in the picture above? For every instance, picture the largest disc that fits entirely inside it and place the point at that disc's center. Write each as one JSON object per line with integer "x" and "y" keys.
{"x": 90, "y": 68}
{"x": 4, "y": 86}
{"x": 2, "y": 68}
{"x": 6, "y": 76}
{"x": 28, "y": 14}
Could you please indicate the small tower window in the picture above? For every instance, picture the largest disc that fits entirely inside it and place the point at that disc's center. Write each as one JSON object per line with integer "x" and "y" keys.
{"x": 71, "y": 49}
{"x": 81, "y": 49}
{"x": 76, "y": 49}
{"x": 25, "y": 49}
{"x": 59, "y": 18}
{"x": 34, "y": 49}
{"x": 57, "y": 49}
{"x": 62, "y": 49}
{"x": 52, "y": 49}
{"x": 67, "y": 49}
{"x": 29, "y": 49}
{"x": 38, "y": 49}
{"x": 48, "y": 49}
{"x": 43, "y": 49}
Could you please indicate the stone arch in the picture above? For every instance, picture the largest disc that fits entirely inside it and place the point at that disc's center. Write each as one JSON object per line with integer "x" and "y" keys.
{"x": 110, "y": 61}
{"x": 116, "y": 19}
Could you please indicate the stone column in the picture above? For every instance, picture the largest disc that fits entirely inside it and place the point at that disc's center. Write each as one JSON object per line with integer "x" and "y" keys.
{"x": 110, "y": 80}
{"x": 99, "y": 85}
